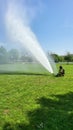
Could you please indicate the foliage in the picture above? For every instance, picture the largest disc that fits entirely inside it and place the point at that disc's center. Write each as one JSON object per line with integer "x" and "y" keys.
{"x": 3, "y": 55}
{"x": 68, "y": 57}
{"x": 36, "y": 102}
{"x": 13, "y": 55}
{"x": 25, "y": 58}
{"x": 56, "y": 57}
{"x": 65, "y": 58}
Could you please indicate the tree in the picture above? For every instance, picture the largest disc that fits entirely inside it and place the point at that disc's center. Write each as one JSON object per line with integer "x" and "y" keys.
{"x": 27, "y": 58}
{"x": 3, "y": 55}
{"x": 55, "y": 57}
{"x": 13, "y": 55}
{"x": 68, "y": 57}
{"x": 61, "y": 59}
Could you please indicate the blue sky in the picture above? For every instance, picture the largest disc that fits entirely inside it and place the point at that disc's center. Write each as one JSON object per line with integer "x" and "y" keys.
{"x": 50, "y": 20}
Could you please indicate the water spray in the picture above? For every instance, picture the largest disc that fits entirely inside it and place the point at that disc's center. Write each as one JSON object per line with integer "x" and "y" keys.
{"x": 22, "y": 33}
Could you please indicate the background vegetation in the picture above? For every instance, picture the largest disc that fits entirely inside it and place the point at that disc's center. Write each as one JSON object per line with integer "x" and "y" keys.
{"x": 13, "y": 55}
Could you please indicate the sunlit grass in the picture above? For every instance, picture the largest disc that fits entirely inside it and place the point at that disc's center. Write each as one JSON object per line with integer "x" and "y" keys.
{"x": 36, "y": 102}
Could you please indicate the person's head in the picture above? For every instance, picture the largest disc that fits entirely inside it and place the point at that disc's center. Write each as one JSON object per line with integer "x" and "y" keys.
{"x": 60, "y": 67}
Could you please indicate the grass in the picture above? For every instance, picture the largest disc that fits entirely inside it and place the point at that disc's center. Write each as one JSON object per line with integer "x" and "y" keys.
{"x": 22, "y": 68}
{"x": 36, "y": 102}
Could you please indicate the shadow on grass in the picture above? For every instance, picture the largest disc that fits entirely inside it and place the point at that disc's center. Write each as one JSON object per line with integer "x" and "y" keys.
{"x": 53, "y": 114}
{"x": 24, "y": 73}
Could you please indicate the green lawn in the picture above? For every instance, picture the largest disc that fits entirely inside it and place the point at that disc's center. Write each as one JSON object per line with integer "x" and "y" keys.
{"x": 22, "y": 68}
{"x": 36, "y": 102}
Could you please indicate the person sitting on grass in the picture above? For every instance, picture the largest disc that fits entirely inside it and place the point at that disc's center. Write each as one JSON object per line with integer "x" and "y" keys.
{"x": 61, "y": 71}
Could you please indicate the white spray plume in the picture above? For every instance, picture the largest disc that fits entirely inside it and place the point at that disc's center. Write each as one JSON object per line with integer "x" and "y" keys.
{"x": 21, "y": 32}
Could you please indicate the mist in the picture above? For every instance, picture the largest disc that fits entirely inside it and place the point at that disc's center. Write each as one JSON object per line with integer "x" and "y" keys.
{"x": 19, "y": 31}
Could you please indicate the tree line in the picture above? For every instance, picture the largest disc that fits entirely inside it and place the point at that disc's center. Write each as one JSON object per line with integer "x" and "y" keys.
{"x": 13, "y": 55}
{"x": 68, "y": 57}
